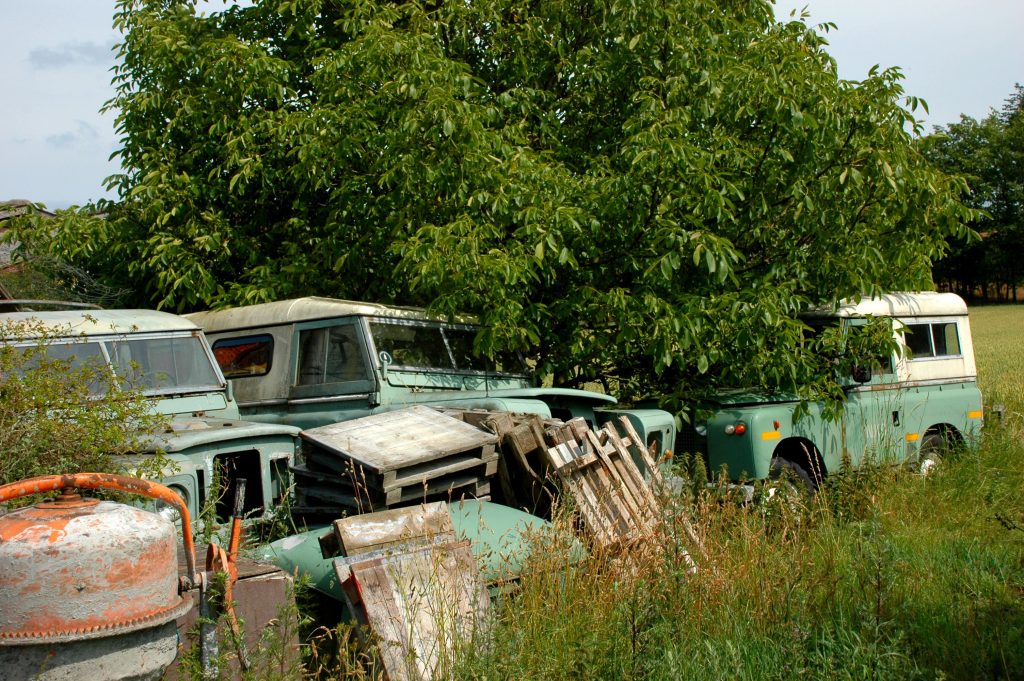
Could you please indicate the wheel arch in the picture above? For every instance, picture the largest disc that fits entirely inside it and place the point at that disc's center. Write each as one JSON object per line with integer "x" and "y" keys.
{"x": 947, "y": 431}
{"x": 804, "y": 453}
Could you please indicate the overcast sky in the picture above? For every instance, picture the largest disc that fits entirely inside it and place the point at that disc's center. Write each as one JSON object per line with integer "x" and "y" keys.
{"x": 961, "y": 56}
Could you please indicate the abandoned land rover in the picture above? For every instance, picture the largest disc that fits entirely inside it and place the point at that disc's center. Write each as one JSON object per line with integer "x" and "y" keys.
{"x": 314, "y": 361}
{"x": 907, "y": 409}
{"x": 204, "y": 437}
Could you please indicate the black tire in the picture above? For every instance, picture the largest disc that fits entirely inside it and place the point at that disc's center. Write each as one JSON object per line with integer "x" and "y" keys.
{"x": 795, "y": 473}
{"x": 933, "y": 447}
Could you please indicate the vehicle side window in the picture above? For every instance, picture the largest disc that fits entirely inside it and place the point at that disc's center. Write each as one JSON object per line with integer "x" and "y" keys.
{"x": 244, "y": 356}
{"x": 945, "y": 338}
{"x": 935, "y": 339}
{"x": 330, "y": 355}
{"x": 862, "y": 337}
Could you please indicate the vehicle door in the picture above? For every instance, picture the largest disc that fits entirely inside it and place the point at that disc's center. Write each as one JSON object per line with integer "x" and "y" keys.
{"x": 873, "y": 421}
{"x": 332, "y": 379}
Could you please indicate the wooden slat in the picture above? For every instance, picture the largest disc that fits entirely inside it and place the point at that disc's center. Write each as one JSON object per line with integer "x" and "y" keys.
{"x": 575, "y": 464}
{"x": 427, "y": 471}
{"x": 590, "y": 510}
{"x": 421, "y": 605}
{"x": 599, "y": 479}
{"x": 455, "y": 487}
{"x": 346, "y": 490}
{"x": 392, "y": 440}
{"x": 363, "y": 533}
{"x": 595, "y": 480}
{"x": 609, "y": 492}
{"x": 615, "y": 503}
{"x": 609, "y": 456}
{"x": 636, "y": 482}
{"x": 645, "y": 456}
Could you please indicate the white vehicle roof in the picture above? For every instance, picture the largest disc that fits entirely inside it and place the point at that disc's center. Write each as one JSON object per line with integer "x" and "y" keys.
{"x": 903, "y": 304}
{"x": 98, "y": 322}
{"x": 301, "y": 310}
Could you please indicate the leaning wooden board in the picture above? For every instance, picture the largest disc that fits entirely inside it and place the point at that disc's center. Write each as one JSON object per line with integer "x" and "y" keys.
{"x": 405, "y": 447}
{"x": 422, "y": 603}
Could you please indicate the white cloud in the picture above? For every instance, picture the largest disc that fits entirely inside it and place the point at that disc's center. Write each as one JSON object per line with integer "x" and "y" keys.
{"x": 83, "y": 133}
{"x": 70, "y": 54}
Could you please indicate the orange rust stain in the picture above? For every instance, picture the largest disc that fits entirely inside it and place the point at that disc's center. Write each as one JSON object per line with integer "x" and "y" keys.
{"x": 147, "y": 567}
{"x": 33, "y": 530}
{"x": 49, "y": 622}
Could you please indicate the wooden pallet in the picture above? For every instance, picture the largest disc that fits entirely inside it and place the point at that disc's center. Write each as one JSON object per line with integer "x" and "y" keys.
{"x": 417, "y": 589}
{"x": 522, "y": 469}
{"x": 396, "y": 457}
{"x": 615, "y": 503}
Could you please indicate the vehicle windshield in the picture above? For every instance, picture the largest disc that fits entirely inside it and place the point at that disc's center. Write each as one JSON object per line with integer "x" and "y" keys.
{"x": 155, "y": 365}
{"x": 437, "y": 347}
{"x": 164, "y": 364}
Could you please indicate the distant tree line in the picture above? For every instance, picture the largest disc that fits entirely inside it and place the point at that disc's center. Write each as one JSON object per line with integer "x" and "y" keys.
{"x": 990, "y": 154}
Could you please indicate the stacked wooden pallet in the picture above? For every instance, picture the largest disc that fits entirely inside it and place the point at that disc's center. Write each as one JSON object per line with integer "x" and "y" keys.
{"x": 392, "y": 458}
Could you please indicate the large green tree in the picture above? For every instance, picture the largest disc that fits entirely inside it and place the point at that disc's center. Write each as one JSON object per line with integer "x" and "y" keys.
{"x": 990, "y": 154}
{"x": 627, "y": 189}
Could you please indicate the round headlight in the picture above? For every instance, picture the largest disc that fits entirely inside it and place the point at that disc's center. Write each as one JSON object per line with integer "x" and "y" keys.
{"x": 169, "y": 511}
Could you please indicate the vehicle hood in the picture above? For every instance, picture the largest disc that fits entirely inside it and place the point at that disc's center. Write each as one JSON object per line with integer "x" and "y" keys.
{"x": 501, "y": 538}
{"x": 186, "y": 432}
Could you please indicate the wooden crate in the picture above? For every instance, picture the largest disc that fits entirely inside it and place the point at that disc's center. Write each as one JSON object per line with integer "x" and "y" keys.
{"x": 353, "y": 492}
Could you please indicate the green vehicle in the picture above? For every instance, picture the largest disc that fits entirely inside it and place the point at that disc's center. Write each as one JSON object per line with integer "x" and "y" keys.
{"x": 314, "y": 361}
{"x": 205, "y": 436}
{"x": 912, "y": 405}
{"x": 172, "y": 362}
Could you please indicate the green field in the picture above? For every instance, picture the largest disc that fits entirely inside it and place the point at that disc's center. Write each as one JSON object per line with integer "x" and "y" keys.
{"x": 886, "y": 575}
{"x": 999, "y": 348}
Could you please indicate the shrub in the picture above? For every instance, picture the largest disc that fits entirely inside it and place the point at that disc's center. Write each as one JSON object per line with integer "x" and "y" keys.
{"x": 65, "y": 413}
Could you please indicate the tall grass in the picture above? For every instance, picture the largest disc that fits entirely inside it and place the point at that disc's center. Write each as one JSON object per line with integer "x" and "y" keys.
{"x": 999, "y": 349}
{"x": 886, "y": 575}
